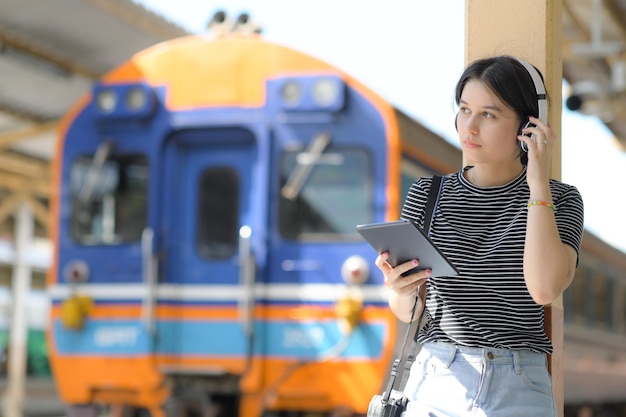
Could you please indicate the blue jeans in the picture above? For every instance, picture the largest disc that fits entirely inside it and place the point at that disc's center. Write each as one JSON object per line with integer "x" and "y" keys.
{"x": 448, "y": 380}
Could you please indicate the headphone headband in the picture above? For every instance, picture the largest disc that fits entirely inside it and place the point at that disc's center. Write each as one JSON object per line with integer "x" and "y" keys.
{"x": 540, "y": 89}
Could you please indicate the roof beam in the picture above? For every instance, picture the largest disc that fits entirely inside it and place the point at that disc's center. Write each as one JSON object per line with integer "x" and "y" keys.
{"x": 25, "y": 166}
{"x": 10, "y": 204}
{"x": 42, "y": 214}
{"x": 30, "y": 48}
{"x": 21, "y": 114}
{"x": 582, "y": 29}
{"x": 617, "y": 15}
{"x": 14, "y": 136}
{"x": 40, "y": 186}
{"x": 140, "y": 17}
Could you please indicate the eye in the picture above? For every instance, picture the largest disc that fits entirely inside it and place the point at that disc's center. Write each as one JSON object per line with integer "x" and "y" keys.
{"x": 488, "y": 115}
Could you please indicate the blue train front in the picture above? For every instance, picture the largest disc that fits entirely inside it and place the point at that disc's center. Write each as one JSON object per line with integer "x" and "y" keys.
{"x": 206, "y": 252}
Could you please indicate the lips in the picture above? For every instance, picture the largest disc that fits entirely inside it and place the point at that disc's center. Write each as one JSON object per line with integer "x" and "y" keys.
{"x": 470, "y": 144}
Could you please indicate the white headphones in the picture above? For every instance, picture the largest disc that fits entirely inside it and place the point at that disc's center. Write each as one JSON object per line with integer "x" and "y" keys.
{"x": 542, "y": 99}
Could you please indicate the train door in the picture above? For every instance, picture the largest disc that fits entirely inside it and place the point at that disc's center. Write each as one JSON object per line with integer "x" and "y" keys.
{"x": 207, "y": 203}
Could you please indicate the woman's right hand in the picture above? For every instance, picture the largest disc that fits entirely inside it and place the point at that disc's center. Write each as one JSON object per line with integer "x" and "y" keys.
{"x": 403, "y": 289}
{"x": 404, "y": 286}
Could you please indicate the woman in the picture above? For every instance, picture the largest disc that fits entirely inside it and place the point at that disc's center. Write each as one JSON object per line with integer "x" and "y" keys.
{"x": 513, "y": 233}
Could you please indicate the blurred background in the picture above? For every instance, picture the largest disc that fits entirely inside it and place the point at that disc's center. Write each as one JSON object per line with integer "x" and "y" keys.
{"x": 410, "y": 53}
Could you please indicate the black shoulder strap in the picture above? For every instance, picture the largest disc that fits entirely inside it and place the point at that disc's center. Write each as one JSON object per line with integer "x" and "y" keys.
{"x": 431, "y": 205}
{"x": 433, "y": 197}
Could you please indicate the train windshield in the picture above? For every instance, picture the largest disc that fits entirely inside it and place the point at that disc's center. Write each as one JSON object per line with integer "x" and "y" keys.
{"x": 114, "y": 208}
{"x": 335, "y": 196}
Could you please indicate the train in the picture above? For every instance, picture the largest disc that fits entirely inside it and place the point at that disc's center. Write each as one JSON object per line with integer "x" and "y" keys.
{"x": 206, "y": 260}
{"x": 206, "y": 256}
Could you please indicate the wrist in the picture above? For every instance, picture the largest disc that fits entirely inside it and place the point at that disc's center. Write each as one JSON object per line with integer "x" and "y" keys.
{"x": 545, "y": 203}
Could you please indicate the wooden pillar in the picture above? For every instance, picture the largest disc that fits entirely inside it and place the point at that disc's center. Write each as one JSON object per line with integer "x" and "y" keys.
{"x": 532, "y": 30}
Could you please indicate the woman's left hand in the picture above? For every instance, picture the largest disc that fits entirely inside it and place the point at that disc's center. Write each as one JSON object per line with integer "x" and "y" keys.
{"x": 539, "y": 146}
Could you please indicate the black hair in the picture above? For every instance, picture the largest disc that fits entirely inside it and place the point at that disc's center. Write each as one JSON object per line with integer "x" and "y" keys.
{"x": 509, "y": 80}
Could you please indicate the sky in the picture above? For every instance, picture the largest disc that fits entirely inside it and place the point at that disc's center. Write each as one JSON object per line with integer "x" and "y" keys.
{"x": 411, "y": 53}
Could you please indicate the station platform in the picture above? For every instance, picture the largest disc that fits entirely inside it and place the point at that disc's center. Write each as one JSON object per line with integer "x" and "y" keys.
{"x": 41, "y": 398}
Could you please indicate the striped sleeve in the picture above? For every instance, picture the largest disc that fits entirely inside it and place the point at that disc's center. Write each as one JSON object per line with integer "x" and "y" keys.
{"x": 569, "y": 212}
{"x": 415, "y": 202}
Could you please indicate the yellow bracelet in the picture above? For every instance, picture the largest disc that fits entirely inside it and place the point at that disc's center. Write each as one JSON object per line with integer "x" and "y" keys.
{"x": 540, "y": 203}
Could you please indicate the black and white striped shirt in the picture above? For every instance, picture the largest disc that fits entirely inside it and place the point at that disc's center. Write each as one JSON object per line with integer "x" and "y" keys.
{"x": 482, "y": 231}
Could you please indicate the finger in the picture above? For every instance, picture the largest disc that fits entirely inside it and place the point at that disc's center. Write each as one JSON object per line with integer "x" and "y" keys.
{"x": 407, "y": 266}
{"x": 402, "y": 281}
{"x": 536, "y": 121}
{"x": 381, "y": 260}
{"x": 532, "y": 132}
{"x": 537, "y": 139}
{"x": 542, "y": 128}
{"x": 540, "y": 140}
{"x": 409, "y": 287}
{"x": 526, "y": 140}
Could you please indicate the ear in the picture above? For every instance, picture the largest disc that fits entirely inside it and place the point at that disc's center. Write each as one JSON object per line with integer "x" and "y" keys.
{"x": 526, "y": 123}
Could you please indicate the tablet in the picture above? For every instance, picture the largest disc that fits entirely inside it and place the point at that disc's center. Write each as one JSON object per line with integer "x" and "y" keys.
{"x": 405, "y": 241}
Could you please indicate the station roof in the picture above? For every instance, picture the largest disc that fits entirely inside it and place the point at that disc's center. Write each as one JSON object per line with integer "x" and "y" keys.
{"x": 51, "y": 52}
{"x": 594, "y": 60}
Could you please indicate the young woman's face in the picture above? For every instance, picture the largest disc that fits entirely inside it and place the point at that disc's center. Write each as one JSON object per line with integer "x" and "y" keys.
{"x": 487, "y": 127}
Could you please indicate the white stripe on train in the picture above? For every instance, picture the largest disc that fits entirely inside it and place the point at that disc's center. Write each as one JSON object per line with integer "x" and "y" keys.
{"x": 226, "y": 293}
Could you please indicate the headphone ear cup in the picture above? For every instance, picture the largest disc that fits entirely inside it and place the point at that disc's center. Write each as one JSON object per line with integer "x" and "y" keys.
{"x": 523, "y": 145}
{"x": 526, "y": 123}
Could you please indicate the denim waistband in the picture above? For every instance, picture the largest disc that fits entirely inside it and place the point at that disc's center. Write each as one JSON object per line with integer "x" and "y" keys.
{"x": 449, "y": 352}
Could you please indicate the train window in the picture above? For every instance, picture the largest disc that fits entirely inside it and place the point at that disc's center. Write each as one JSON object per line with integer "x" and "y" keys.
{"x": 109, "y": 202}
{"x": 618, "y": 292}
{"x": 334, "y": 194}
{"x": 620, "y": 307}
{"x": 601, "y": 312}
{"x": 410, "y": 171}
{"x": 218, "y": 208}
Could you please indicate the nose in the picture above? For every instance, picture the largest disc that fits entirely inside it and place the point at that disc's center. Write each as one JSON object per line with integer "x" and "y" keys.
{"x": 470, "y": 124}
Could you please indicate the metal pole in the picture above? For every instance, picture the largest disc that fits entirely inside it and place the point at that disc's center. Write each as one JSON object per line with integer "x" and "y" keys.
{"x": 14, "y": 395}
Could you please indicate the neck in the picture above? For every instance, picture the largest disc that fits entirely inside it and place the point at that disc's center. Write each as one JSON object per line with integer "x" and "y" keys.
{"x": 485, "y": 176}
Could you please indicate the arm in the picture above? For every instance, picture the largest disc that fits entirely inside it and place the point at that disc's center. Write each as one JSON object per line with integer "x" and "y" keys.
{"x": 402, "y": 290}
{"x": 549, "y": 264}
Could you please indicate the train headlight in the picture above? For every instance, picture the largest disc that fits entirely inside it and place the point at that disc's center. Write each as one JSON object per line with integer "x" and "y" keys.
{"x": 136, "y": 98}
{"x": 124, "y": 102}
{"x": 308, "y": 93}
{"x": 325, "y": 91}
{"x": 291, "y": 93}
{"x": 76, "y": 271}
{"x": 106, "y": 100}
{"x": 355, "y": 270}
